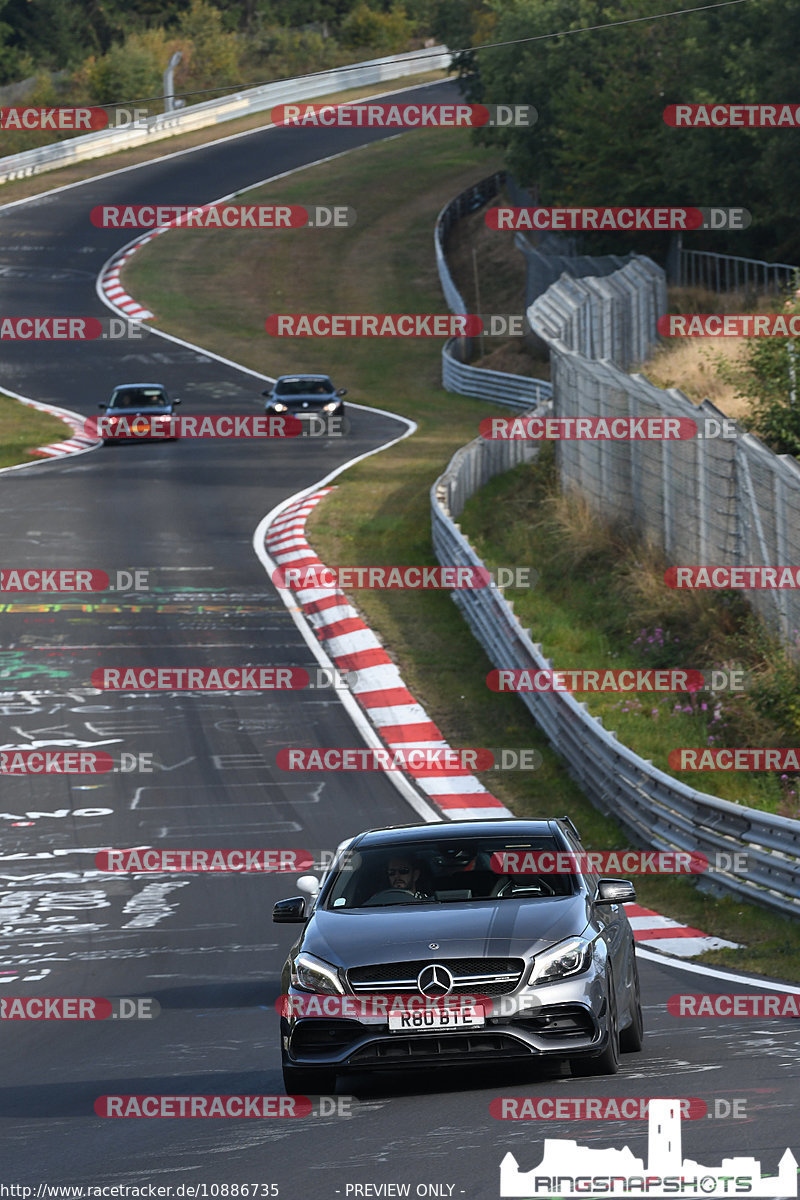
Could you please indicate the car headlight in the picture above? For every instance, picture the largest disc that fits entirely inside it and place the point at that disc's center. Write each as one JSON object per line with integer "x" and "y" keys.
{"x": 314, "y": 975}
{"x": 330, "y": 407}
{"x": 567, "y": 958}
{"x": 279, "y": 407}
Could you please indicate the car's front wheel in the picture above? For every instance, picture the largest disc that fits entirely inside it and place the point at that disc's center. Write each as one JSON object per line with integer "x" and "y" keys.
{"x": 308, "y": 1081}
{"x": 631, "y": 1039}
{"x": 606, "y": 1063}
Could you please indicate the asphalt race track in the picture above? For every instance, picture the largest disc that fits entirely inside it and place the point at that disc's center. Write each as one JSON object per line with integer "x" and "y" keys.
{"x": 204, "y": 947}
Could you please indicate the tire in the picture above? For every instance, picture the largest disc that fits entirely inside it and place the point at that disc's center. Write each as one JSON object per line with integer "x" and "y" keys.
{"x": 308, "y": 1081}
{"x": 631, "y": 1039}
{"x": 606, "y": 1063}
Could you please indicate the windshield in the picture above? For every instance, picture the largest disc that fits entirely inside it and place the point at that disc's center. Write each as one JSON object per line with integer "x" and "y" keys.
{"x": 449, "y": 871}
{"x": 304, "y": 387}
{"x": 139, "y": 398}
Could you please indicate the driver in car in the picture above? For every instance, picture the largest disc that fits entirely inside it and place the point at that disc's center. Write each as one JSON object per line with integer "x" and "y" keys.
{"x": 403, "y": 874}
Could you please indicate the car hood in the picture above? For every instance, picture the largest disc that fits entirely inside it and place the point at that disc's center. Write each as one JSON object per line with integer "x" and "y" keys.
{"x": 506, "y": 928}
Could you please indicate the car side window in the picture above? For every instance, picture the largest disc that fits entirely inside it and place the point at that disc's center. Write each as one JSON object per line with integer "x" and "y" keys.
{"x": 575, "y": 846}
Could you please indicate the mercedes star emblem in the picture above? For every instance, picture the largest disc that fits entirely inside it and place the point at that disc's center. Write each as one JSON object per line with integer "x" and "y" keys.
{"x": 435, "y": 980}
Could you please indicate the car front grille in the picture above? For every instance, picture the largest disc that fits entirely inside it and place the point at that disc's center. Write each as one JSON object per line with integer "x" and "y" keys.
{"x": 481, "y": 976}
{"x": 472, "y": 1046}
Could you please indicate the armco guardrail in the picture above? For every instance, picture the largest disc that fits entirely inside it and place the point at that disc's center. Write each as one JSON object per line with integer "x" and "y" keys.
{"x": 656, "y": 810}
{"x": 512, "y": 391}
{"x": 721, "y": 500}
{"x": 466, "y": 202}
{"x": 213, "y": 112}
{"x": 730, "y": 273}
{"x": 499, "y": 387}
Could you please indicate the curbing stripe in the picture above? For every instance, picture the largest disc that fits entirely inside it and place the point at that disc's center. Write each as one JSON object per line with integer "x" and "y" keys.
{"x": 395, "y": 715}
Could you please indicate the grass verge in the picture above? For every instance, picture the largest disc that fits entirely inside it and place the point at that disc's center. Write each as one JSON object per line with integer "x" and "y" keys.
{"x": 23, "y": 429}
{"x": 215, "y": 289}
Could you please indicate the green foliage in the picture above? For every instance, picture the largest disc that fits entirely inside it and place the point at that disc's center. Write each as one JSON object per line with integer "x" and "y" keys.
{"x": 215, "y": 53}
{"x": 769, "y": 380}
{"x": 129, "y": 71}
{"x": 601, "y": 137}
{"x": 386, "y": 32}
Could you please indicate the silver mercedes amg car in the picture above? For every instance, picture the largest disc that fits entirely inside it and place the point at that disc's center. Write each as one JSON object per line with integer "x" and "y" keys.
{"x": 455, "y": 944}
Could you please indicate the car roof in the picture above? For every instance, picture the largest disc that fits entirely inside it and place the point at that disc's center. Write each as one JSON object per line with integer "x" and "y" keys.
{"x": 281, "y": 378}
{"x": 504, "y": 827}
{"x": 119, "y": 386}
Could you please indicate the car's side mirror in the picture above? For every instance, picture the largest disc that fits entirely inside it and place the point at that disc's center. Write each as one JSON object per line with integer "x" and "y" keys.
{"x": 341, "y": 392}
{"x": 176, "y": 400}
{"x": 267, "y": 393}
{"x": 103, "y": 405}
{"x": 290, "y": 912}
{"x": 308, "y": 884}
{"x": 614, "y": 891}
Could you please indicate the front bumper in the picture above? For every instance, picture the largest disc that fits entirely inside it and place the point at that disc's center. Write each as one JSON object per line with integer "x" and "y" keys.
{"x": 562, "y": 1020}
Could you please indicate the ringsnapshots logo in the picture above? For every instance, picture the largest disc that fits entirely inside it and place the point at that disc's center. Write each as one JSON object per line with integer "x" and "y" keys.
{"x": 376, "y": 115}
{"x": 222, "y": 216}
{"x": 568, "y": 1169}
{"x": 629, "y": 220}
